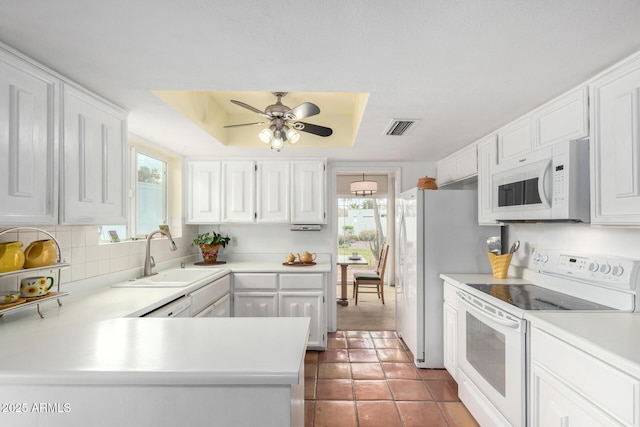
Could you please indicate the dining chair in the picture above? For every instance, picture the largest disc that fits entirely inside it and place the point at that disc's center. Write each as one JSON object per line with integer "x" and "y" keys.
{"x": 370, "y": 280}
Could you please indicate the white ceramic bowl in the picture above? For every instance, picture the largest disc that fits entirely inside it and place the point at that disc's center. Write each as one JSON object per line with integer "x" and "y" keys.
{"x": 7, "y": 297}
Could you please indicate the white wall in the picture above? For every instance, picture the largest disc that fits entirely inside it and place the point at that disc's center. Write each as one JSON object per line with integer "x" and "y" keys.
{"x": 272, "y": 238}
{"x": 623, "y": 242}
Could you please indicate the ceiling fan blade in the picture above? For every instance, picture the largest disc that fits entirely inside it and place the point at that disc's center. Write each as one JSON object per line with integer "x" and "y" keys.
{"x": 314, "y": 129}
{"x": 249, "y": 107}
{"x": 245, "y": 124}
{"x": 306, "y": 109}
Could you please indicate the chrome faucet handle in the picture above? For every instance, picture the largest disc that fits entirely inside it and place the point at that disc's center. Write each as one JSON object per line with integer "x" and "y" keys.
{"x": 153, "y": 261}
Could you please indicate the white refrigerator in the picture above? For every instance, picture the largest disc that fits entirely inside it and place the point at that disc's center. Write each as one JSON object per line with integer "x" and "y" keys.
{"x": 437, "y": 233}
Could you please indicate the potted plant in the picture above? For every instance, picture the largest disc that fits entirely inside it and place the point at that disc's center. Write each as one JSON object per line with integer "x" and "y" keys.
{"x": 210, "y": 243}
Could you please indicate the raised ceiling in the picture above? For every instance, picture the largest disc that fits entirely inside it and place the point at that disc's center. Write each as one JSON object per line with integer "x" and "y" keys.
{"x": 464, "y": 67}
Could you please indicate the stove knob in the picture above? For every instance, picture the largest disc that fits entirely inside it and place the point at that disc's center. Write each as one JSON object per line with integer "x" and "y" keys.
{"x": 594, "y": 266}
{"x": 605, "y": 268}
{"x": 617, "y": 271}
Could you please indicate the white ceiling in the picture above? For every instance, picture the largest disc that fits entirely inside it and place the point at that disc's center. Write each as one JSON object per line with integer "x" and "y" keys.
{"x": 464, "y": 67}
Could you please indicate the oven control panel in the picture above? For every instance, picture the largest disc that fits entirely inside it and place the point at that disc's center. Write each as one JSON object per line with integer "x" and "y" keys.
{"x": 621, "y": 273}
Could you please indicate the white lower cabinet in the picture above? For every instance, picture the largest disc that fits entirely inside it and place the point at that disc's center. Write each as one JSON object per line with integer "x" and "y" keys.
{"x": 212, "y": 300}
{"x": 570, "y": 387}
{"x": 305, "y": 304}
{"x": 283, "y": 295}
{"x": 255, "y": 304}
{"x": 450, "y": 332}
{"x": 220, "y": 308}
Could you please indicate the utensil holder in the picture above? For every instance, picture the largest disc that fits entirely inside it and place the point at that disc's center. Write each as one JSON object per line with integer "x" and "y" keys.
{"x": 499, "y": 264}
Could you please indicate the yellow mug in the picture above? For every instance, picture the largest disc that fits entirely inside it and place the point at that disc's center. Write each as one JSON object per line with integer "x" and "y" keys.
{"x": 35, "y": 286}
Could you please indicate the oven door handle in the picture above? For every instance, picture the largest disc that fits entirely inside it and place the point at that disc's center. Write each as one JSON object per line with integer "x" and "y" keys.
{"x": 489, "y": 316}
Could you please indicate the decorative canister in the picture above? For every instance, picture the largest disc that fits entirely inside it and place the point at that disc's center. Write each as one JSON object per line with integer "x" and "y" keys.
{"x": 427, "y": 183}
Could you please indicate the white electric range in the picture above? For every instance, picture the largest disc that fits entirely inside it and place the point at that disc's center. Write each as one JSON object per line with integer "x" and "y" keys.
{"x": 492, "y": 331}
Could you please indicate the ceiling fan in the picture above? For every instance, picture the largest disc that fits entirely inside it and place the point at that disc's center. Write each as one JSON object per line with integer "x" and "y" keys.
{"x": 283, "y": 122}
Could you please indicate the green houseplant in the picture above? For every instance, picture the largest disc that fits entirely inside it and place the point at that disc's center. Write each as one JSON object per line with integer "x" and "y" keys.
{"x": 210, "y": 244}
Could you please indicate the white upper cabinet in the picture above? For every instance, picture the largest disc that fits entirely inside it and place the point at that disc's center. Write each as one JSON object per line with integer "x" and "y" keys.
{"x": 487, "y": 160}
{"x": 615, "y": 146}
{"x": 460, "y": 165}
{"x": 273, "y": 191}
{"x": 563, "y": 119}
{"x": 93, "y": 166}
{"x": 515, "y": 139}
{"x": 308, "y": 182}
{"x": 28, "y": 143}
{"x": 204, "y": 192}
{"x": 238, "y": 191}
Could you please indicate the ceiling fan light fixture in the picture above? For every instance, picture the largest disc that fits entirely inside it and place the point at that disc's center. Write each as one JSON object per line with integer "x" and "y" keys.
{"x": 277, "y": 143}
{"x": 266, "y": 135}
{"x": 364, "y": 188}
{"x": 293, "y": 136}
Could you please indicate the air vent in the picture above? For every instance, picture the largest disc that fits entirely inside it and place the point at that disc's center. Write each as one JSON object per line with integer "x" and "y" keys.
{"x": 399, "y": 127}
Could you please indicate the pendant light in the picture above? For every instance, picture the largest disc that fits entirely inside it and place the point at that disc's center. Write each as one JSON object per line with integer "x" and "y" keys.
{"x": 364, "y": 188}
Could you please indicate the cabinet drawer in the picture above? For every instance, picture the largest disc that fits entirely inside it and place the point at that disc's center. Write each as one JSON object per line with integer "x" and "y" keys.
{"x": 209, "y": 294}
{"x": 255, "y": 281}
{"x": 302, "y": 281}
{"x": 608, "y": 388}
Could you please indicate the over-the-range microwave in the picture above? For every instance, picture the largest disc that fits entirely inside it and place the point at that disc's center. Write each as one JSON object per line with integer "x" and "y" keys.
{"x": 549, "y": 184}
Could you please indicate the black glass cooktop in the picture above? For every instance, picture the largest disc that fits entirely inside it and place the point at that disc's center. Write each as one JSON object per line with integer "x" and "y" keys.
{"x": 532, "y": 297}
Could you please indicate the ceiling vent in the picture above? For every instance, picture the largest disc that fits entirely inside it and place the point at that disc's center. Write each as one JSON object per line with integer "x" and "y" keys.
{"x": 399, "y": 127}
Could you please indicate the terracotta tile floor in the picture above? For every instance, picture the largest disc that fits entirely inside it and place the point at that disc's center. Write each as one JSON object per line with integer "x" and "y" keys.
{"x": 366, "y": 378}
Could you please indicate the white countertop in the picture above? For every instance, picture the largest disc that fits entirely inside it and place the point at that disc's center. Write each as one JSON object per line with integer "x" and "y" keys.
{"x": 96, "y": 336}
{"x": 164, "y": 351}
{"x": 458, "y": 279}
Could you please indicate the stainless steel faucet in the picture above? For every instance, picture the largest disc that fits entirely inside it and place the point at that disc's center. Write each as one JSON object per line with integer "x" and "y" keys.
{"x": 149, "y": 262}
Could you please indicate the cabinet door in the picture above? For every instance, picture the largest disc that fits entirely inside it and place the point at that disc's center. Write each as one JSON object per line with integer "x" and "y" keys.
{"x": 308, "y": 182}
{"x": 28, "y": 144}
{"x": 487, "y": 160}
{"x": 466, "y": 162}
{"x": 615, "y": 147}
{"x": 553, "y": 404}
{"x": 446, "y": 170}
{"x": 238, "y": 191}
{"x": 450, "y": 334}
{"x": 514, "y": 139}
{"x": 94, "y": 160}
{"x": 203, "y": 191}
{"x": 255, "y": 304}
{"x": 306, "y": 304}
{"x": 220, "y": 308}
{"x": 562, "y": 119}
{"x": 273, "y": 191}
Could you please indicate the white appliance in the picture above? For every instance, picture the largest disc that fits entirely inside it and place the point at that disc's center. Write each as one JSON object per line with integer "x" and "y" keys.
{"x": 176, "y": 308}
{"x": 437, "y": 232}
{"x": 549, "y": 184}
{"x": 492, "y": 343}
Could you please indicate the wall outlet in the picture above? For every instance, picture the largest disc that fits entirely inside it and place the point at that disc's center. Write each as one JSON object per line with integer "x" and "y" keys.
{"x": 65, "y": 256}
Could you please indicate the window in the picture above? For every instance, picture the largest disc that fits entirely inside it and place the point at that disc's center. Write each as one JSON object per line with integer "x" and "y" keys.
{"x": 151, "y": 194}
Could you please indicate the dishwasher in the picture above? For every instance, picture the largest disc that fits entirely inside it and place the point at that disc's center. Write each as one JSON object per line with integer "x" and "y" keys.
{"x": 176, "y": 308}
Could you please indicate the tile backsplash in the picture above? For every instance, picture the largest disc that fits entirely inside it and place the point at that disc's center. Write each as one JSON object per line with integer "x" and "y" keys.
{"x": 88, "y": 257}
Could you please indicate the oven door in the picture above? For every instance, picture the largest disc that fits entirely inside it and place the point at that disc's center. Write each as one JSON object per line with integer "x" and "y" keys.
{"x": 491, "y": 351}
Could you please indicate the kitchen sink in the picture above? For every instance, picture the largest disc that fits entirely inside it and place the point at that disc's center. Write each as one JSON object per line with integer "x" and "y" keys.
{"x": 176, "y": 278}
